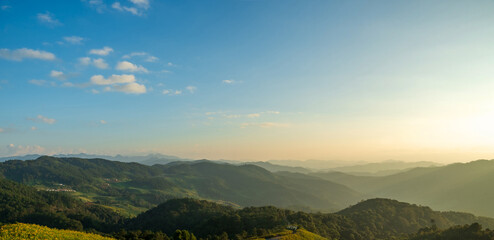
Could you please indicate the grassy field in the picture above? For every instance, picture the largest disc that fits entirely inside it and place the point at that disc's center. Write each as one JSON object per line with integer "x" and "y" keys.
{"x": 300, "y": 234}
{"x": 22, "y": 231}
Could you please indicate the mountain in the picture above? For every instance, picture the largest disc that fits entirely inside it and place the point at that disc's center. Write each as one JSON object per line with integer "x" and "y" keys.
{"x": 316, "y": 164}
{"x": 149, "y": 159}
{"x": 461, "y": 186}
{"x": 134, "y": 187}
{"x": 278, "y": 168}
{"x": 371, "y": 219}
{"x": 383, "y": 168}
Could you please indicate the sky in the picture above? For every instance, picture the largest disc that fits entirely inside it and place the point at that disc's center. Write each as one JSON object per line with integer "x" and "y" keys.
{"x": 249, "y": 79}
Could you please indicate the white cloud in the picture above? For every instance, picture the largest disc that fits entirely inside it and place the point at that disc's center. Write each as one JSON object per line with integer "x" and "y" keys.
{"x": 228, "y": 81}
{"x": 99, "y": 5}
{"x": 118, "y": 83}
{"x": 148, "y": 57}
{"x": 114, "y": 79}
{"x": 133, "y": 88}
{"x": 43, "y": 119}
{"x": 5, "y": 7}
{"x": 58, "y": 75}
{"x": 33, "y": 128}
{"x": 97, "y": 62}
{"x": 119, "y": 7}
{"x": 1, "y": 130}
{"x": 134, "y": 54}
{"x": 100, "y": 63}
{"x": 130, "y": 67}
{"x": 74, "y": 39}
{"x": 138, "y": 9}
{"x": 102, "y": 121}
{"x": 48, "y": 19}
{"x": 171, "y": 92}
{"x": 191, "y": 89}
{"x": 85, "y": 60}
{"x": 22, "y": 53}
{"x": 94, "y": 91}
{"x": 102, "y": 52}
{"x": 141, "y": 3}
{"x": 151, "y": 59}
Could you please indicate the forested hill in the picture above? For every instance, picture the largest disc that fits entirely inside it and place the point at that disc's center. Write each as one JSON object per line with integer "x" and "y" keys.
{"x": 371, "y": 219}
{"x": 134, "y": 187}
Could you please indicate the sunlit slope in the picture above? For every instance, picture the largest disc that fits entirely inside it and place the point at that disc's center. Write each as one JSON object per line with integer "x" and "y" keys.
{"x": 134, "y": 186}
{"x": 22, "y": 231}
{"x": 460, "y": 187}
{"x": 300, "y": 234}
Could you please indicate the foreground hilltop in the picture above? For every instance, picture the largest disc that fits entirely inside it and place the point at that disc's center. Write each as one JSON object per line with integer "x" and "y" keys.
{"x": 371, "y": 219}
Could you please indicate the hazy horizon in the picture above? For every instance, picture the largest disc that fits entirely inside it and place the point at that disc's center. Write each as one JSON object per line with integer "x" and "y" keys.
{"x": 249, "y": 80}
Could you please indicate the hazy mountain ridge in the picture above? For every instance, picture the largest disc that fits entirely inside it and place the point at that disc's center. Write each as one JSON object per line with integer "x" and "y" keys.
{"x": 460, "y": 186}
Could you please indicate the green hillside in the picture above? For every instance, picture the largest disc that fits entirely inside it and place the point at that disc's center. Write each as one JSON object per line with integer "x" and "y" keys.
{"x": 133, "y": 187}
{"x": 20, "y": 203}
{"x": 22, "y": 231}
{"x": 460, "y": 186}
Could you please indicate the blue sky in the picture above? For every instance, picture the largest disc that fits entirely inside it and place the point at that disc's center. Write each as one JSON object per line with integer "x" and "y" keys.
{"x": 248, "y": 79}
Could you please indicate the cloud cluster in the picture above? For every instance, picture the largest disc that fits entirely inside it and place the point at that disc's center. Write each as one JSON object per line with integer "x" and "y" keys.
{"x": 138, "y": 8}
{"x": 76, "y": 40}
{"x": 97, "y": 62}
{"x": 25, "y": 53}
{"x": 130, "y": 67}
{"x": 48, "y": 19}
{"x": 102, "y": 52}
{"x": 58, "y": 75}
{"x": 119, "y": 83}
{"x": 171, "y": 92}
{"x": 147, "y": 57}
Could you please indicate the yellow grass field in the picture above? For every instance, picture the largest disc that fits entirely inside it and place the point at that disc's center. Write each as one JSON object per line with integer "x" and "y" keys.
{"x": 22, "y": 231}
